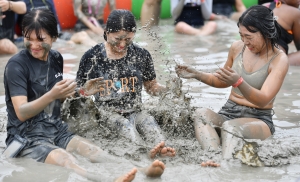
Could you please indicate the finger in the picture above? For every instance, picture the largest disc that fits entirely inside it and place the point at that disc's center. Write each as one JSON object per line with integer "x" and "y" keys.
{"x": 62, "y": 82}
{"x": 225, "y": 71}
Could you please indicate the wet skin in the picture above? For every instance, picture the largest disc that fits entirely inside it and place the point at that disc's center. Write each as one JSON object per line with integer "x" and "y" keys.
{"x": 39, "y": 46}
{"x": 119, "y": 41}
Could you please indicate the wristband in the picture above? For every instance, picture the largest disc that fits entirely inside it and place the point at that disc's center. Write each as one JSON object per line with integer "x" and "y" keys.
{"x": 81, "y": 91}
{"x": 240, "y": 81}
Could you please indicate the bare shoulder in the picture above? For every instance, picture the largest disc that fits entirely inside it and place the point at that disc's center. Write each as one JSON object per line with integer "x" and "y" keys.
{"x": 236, "y": 47}
{"x": 281, "y": 62}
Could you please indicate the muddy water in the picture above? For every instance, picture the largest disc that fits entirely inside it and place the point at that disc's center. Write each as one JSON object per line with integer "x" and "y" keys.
{"x": 279, "y": 154}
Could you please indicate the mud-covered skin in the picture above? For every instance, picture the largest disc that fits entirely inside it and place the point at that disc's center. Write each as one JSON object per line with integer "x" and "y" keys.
{"x": 173, "y": 111}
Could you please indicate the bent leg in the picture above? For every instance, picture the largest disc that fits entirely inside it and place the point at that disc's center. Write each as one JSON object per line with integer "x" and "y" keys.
{"x": 184, "y": 28}
{"x": 83, "y": 38}
{"x": 248, "y": 128}
{"x": 7, "y": 47}
{"x": 204, "y": 122}
{"x": 147, "y": 126}
{"x": 150, "y": 10}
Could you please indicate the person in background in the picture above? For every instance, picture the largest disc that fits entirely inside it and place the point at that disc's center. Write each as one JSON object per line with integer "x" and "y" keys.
{"x": 190, "y": 17}
{"x": 80, "y": 37}
{"x": 90, "y": 15}
{"x": 255, "y": 69}
{"x": 34, "y": 90}
{"x": 150, "y": 12}
{"x": 232, "y": 9}
{"x": 7, "y": 27}
{"x": 289, "y": 25}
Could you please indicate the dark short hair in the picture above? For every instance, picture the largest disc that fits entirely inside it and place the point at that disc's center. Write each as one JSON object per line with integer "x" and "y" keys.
{"x": 259, "y": 18}
{"x": 118, "y": 20}
{"x": 37, "y": 20}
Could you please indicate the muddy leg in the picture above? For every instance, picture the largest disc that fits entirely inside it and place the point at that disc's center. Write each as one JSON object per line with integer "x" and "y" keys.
{"x": 124, "y": 127}
{"x": 147, "y": 127}
{"x": 63, "y": 158}
{"x": 204, "y": 120}
{"x": 89, "y": 150}
{"x": 248, "y": 128}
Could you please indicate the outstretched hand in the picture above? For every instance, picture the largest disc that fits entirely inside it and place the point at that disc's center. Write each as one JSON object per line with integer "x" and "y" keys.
{"x": 94, "y": 86}
{"x": 227, "y": 75}
{"x": 184, "y": 71}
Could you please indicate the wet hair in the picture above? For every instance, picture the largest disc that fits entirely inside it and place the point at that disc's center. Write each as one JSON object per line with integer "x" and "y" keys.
{"x": 259, "y": 18}
{"x": 37, "y": 20}
{"x": 118, "y": 20}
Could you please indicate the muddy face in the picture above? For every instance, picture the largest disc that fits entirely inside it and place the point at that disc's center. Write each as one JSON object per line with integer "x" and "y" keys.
{"x": 39, "y": 47}
{"x": 119, "y": 41}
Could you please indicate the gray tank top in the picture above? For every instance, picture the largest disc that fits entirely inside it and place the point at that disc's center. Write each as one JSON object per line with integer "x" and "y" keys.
{"x": 255, "y": 79}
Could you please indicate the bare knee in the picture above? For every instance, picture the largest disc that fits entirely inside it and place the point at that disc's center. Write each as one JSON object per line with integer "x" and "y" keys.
{"x": 60, "y": 157}
{"x": 180, "y": 27}
{"x": 200, "y": 114}
{"x": 232, "y": 127}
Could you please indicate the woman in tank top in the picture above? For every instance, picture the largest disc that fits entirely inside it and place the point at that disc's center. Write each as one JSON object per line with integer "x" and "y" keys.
{"x": 255, "y": 69}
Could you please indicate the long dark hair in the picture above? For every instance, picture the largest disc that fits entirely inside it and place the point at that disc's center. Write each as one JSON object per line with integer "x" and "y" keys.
{"x": 259, "y": 18}
{"x": 118, "y": 20}
{"x": 37, "y": 20}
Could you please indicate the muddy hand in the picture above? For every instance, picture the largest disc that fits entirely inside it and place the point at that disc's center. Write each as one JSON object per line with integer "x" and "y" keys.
{"x": 94, "y": 86}
{"x": 227, "y": 75}
{"x": 185, "y": 71}
{"x": 63, "y": 89}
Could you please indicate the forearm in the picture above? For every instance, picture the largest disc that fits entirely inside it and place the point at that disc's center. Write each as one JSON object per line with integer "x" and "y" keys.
{"x": 206, "y": 8}
{"x": 31, "y": 109}
{"x": 210, "y": 79}
{"x": 178, "y": 9}
{"x": 17, "y": 7}
{"x": 253, "y": 95}
{"x": 112, "y": 5}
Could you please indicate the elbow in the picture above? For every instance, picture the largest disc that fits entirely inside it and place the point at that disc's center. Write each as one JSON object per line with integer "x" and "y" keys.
{"x": 22, "y": 119}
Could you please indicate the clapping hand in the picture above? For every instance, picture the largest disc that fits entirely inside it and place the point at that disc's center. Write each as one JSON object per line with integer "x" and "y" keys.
{"x": 227, "y": 75}
{"x": 63, "y": 89}
{"x": 94, "y": 86}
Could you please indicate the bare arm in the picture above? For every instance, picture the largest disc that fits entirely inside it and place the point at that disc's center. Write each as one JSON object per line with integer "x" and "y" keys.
{"x": 18, "y": 7}
{"x": 294, "y": 56}
{"x": 81, "y": 16}
{"x": 206, "y": 8}
{"x": 177, "y": 9}
{"x": 239, "y": 6}
{"x": 112, "y": 4}
{"x": 210, "y": 78}
{"x": 25, "y": 110}
{"x": 154, "y": 88}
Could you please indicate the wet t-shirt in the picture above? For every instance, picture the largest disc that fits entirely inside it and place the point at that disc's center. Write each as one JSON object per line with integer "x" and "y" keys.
{"x": 27, "y": 76}
{"x": 123, "y": 77}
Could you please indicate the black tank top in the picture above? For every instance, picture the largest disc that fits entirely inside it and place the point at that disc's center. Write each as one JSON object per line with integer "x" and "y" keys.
{"x": 285, "y": 37}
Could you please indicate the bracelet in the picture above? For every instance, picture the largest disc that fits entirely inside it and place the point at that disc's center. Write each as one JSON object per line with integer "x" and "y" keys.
{"x": 240, "y": 81}
{"x": 81, "y": 91}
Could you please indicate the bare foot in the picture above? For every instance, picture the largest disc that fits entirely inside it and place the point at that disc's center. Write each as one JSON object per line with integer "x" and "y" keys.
{"x": 161, "y": 150}
{"x": 127, "y": 177}
{"x": 156, "y": 169}
{"x": 210, "y": 163}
